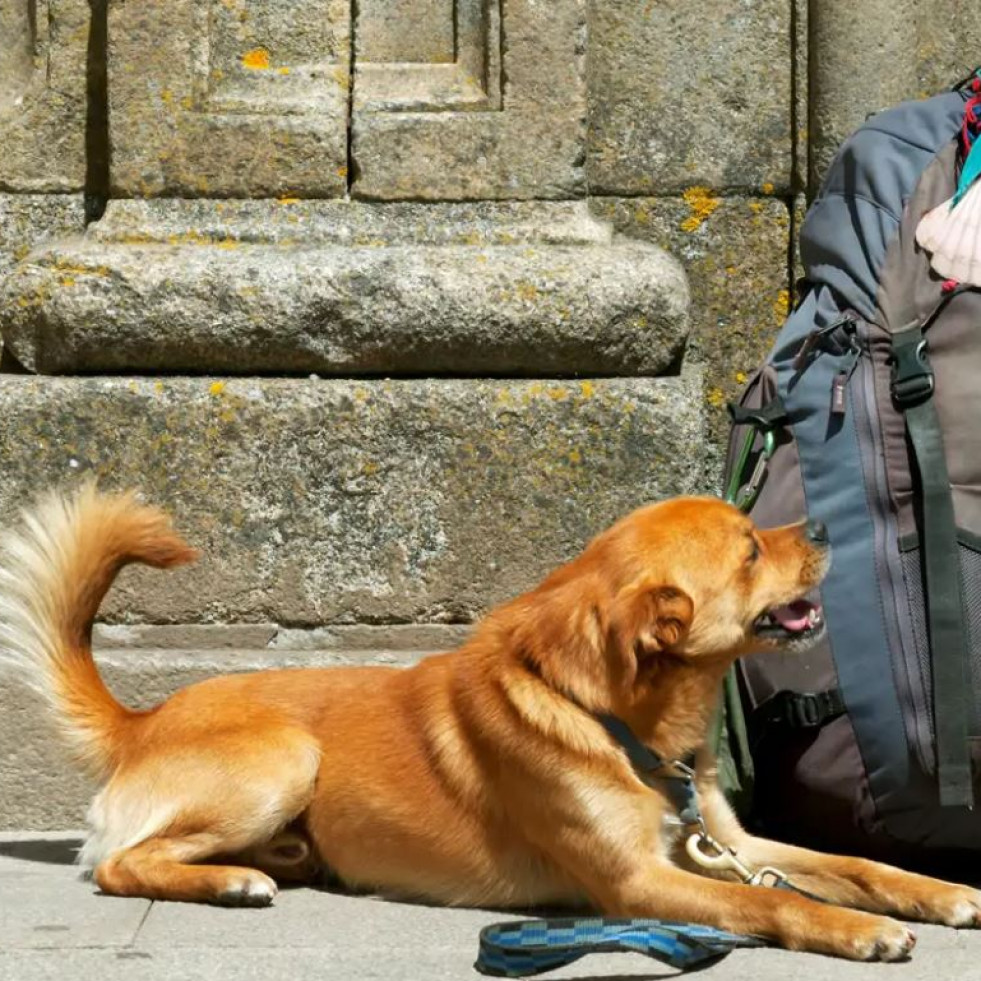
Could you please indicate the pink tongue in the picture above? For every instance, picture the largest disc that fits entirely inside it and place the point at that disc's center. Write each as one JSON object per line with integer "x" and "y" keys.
{"x": 794, "y": 617}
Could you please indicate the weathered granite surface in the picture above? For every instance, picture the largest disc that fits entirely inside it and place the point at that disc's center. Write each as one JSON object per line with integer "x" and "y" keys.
{"x": 867, "y": 57}
{"x": 734, "y": 251}
{"x": 229, "y": 99}
{"x": 509, "y": 121}
{"x": 27, "y": 220}
{"x": 683, "y": 93}
{"x": 43, "y": 97}
{"x": 318, "y": 503}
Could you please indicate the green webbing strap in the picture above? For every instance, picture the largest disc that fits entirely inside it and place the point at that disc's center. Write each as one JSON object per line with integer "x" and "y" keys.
{"x": 912, "y": 391}
{"x": 729, "y": 741}
{"x": 727, "y": 737}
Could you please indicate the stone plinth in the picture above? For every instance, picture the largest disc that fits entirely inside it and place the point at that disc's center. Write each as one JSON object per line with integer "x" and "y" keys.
{"x": 345, "y": 289}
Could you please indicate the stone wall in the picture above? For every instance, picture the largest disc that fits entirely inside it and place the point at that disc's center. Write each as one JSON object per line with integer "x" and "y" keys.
{"x": 395, "y": 303}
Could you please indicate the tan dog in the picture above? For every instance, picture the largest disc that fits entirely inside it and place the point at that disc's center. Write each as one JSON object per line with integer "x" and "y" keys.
{"x": 477, "y": 777}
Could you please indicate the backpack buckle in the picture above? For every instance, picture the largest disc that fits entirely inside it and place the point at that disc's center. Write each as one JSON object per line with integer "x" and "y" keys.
{"x": 912, "y": 380}
{"x": 804, "y": 710}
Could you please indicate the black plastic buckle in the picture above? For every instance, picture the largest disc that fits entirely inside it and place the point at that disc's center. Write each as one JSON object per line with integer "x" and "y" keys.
{"x": 804, "y": 710}
{"x": 912, "y": 378}
{"x": 768, "y": 416}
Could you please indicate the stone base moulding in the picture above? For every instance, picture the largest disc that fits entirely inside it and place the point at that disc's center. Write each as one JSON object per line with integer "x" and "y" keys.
{"x": 528, "y": 288}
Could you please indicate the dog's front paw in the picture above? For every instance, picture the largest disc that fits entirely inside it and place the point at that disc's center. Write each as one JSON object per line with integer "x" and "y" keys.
{"x": 954, "y": 906}
{"x": 857, "y": 936}
{"x": 885, "y": 940}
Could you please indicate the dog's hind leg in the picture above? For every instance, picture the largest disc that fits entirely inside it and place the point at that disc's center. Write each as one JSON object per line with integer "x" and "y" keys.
{"x": 157, "y": 819}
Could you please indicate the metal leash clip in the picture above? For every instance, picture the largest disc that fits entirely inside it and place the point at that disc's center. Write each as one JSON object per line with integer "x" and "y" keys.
{"x": 725, "y": 859}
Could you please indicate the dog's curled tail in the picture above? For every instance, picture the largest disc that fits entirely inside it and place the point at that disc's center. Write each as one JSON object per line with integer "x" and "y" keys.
{"x": 55, "y": 570}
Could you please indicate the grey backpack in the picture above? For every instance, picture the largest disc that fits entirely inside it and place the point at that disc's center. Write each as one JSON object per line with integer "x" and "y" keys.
{"x": 867, "y": 416}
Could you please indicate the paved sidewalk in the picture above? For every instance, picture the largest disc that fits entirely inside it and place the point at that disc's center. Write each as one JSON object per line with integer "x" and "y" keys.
{"x": 56, "y": 926}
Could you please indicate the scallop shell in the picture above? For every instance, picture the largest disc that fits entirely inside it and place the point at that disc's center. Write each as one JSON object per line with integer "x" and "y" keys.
{"x": 953, "y": 237}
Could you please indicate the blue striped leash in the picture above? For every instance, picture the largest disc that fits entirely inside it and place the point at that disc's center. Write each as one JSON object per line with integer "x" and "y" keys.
{"x": 526, "y": 947}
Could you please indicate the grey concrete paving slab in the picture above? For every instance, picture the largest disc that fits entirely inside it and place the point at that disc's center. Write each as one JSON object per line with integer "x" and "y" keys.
{"x": 55, "y": 926}
{"x": 313, "y": 918}
{"x": 63, "y": 912}
{"x": 941, "y": 956}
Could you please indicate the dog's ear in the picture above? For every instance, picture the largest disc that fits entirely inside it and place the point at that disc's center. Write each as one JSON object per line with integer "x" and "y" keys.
{"x": 647, "y": 618}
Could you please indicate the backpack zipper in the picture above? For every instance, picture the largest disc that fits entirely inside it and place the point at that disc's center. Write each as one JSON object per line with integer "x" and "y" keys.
{"x": 910, "y": 683}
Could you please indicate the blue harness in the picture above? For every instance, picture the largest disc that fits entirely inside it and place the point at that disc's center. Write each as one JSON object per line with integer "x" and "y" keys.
{"x": 526, "y": 947}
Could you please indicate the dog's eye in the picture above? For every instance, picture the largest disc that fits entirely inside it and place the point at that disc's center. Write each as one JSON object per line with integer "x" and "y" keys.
{"x": 754, "y": 552}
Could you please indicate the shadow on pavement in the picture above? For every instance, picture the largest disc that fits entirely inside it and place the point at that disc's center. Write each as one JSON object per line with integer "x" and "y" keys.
{"x": 59, "y": 852}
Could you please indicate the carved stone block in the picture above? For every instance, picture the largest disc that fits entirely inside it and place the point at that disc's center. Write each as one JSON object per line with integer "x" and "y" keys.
{"x": 229, "y": 98}
{"x": 686, "y": 94}
{"x": 429, "y": 128}
{"x": 43, "y": 59}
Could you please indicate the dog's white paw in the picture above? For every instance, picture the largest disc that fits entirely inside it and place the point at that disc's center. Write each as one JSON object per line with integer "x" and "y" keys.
{"x": 248, "y": 888}
{"x": 873, "y": 938}
{"x": 893, "y": 944}
{"x": 963, "y": 910}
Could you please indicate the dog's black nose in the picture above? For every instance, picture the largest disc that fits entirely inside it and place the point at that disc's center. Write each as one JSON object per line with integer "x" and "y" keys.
{"x": 817, "y": 532}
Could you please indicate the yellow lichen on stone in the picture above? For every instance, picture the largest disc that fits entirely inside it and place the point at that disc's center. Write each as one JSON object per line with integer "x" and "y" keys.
{"x": 587, "y": 389}
{"x": 217, "y": 387}
{"x": 527, "y": 291}
{"x": 287, "y": 199}
{"x": 64, "y": 266}
{"x": 575, "y": 457}
{"x": 702, "y": 204}
{"x": 716, "y": 398}
{"x": 767, "y": 187}
{"x": 740, "y": 377}
{"x": 781, "y": 306}
{"x": 256, "y": 60}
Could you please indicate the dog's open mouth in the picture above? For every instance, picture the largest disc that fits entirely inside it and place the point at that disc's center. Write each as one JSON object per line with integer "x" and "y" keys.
{"x": 799, "y": 619}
